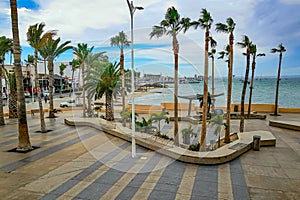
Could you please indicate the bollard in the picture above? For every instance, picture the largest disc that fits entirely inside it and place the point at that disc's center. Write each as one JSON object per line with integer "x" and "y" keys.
{"x": 256, "y": 142}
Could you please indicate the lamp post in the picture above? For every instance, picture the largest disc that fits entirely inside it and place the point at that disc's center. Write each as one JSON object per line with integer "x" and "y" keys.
{"x": 132, "y": 9}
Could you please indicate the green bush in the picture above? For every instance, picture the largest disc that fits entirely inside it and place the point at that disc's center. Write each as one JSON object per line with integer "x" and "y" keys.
{"x": 194, "y": 147}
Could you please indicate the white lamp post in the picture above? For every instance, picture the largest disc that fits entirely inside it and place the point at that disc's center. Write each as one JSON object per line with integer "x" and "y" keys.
{"x": 132, "y": 9}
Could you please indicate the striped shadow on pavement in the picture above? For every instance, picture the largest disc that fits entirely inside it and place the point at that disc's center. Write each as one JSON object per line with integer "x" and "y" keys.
{"x": 106, "y": 181}
{"x": 239, "y": 186}
{"x": 206, "y": 183}
{"x": 133, "y": 186}
{"x": 169, "y": 181}
{"x": 69, "y": 184}
{"x": 14, "y": 165}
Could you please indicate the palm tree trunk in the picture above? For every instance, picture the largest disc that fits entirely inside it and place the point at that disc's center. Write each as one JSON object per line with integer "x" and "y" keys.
{"x": 12, "y": 101}
{"x": 277, "y": 85}
{"x": 89, "y": 105}
{"x": 109, "y": 110}
{"x": 176, "y": 51}
{"x": 229, "y": 90}
{"x": 83, "y": 90}
{"x": 242, "y": 118}
{"x": 205, "y": 95}
{"x": 72, "y": 82}
{"x": 251, "y": 86}
{"x": 123, "y": 84}
{"x": 60, "y": 91}
{"x": 38, "y": 86}
{"x": 2, "y": 122}
{"x": 23, "y": 136}
{"x": 213, "y": 82}
{"x": 51, "y": 104}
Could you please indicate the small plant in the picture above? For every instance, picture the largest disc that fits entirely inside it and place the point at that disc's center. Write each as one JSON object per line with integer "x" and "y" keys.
{"x": 164, "y": 136}
{"x": 217, "y": 121}
{"x": 98, "y": 108}
{"x": 127, "y": 117}
{"x": 145, "y": 126}
{"x": 187, "y": 133}
{"x": 158, "y": 117}
{"x": 194, "y": 147}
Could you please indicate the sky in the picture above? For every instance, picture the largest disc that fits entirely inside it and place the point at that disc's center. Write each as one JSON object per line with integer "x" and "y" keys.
{"x": 266, "y": 22}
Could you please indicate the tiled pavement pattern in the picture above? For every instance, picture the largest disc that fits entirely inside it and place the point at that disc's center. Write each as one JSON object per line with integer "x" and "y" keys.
{"x": 63, "y": 168}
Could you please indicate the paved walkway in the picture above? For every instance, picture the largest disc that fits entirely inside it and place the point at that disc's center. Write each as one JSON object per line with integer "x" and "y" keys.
{"x": 84, "y": 163}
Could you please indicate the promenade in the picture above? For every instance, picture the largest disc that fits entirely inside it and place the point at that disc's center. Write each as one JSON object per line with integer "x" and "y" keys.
{"x": 85, "y": 163}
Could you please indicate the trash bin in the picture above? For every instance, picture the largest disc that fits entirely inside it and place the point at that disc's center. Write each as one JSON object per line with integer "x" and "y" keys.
{"x": 256, "y": 142}
{"x": 236, "y": 108}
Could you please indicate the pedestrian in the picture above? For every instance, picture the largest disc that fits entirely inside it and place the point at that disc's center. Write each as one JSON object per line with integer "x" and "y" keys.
{"x": 46, "y": 98}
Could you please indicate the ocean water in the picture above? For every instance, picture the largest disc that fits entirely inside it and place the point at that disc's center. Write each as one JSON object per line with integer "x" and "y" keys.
{"x": 263, "y": 92}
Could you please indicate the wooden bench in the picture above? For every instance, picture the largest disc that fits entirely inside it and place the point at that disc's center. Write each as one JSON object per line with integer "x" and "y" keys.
{"x": 32, "y": 111}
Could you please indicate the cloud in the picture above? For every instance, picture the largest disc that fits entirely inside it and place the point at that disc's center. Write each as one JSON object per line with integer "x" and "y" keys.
{"x": 290, "y": 1}
{"x": 266, "y": 22}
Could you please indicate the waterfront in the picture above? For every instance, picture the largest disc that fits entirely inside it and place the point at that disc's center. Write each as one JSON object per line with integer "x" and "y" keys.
{"x": 263, "y": 92}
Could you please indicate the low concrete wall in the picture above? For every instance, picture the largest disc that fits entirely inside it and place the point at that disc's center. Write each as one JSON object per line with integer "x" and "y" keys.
{"x": 264, "y": 108}
{"x": 289, "y": 110}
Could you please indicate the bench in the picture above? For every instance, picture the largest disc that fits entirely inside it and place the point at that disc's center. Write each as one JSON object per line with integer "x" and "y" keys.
{"x": 32, "y": 111}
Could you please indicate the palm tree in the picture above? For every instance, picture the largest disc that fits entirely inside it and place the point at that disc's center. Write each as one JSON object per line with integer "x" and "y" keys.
{"x": 205, "y": 21}
{"x": 81, "y": 52}
{"x": 106, "y": 85}
{"x": 228, "y": 28}
{"x": 253, "y": 51}
{"x": 6, "y": 45}
{"x": 76, "y": 63}
{"x": 53, "y": 49}
{"x": 172, "y": 25}
{"x": 90, "y": 60}
{"x": 37, "y": 40}
{"x": 280, "y": 49}
{"x": 92, "y": 77}
{"x": 62, "y": 68}
{"x": 246, "y": 43}
{"x": 23, "y": 136}
{"x": 121, "y": 41}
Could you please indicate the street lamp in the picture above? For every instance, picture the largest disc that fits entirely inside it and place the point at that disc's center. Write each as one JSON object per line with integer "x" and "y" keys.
{"x": 132, "y": 9}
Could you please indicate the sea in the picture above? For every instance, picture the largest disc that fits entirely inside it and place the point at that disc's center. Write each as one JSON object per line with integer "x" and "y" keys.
{"x": 264, "y": 90}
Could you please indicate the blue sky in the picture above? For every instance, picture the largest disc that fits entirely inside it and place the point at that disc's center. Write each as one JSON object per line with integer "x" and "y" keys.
{"x": 267, "y": 23}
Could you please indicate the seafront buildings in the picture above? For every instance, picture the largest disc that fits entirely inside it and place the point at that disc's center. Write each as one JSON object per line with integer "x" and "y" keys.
{"x": 158, "y": 78}
{"x": 43, "y": 77}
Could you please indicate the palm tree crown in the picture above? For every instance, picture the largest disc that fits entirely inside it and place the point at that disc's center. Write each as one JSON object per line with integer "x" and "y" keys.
{"x": 120, "y": 40}
{"x": 280, "y": 49}
{"x": 226, "y": 28}
{"x": 35, "y": 36}
{"x": 52, "y": 49}
{"x": 172, "y": 24}
{"x": 6, "y": 45}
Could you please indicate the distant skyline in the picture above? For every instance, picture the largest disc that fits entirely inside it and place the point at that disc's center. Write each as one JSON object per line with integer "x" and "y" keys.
{"x": 267, "y": 23}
